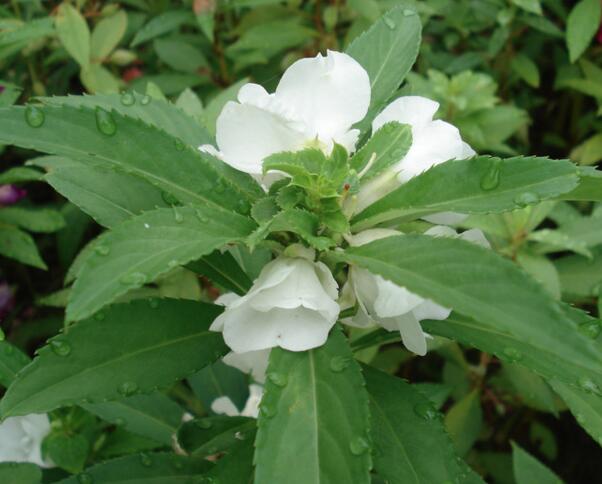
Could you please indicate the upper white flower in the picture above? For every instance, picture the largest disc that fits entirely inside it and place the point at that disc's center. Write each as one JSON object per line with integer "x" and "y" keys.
{"x": 21, "y": 439}
{"x": 433, "y": 142}
{"x": 391, "y": 306}
{"x": 292, "y": 304}
{"x": 225, "y": 406}
{"x": 254, "y": 363}
{"x": 315, "y": 104}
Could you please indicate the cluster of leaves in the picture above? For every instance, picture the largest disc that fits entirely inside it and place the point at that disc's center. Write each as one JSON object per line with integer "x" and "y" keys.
{"x": 117, "y": 380}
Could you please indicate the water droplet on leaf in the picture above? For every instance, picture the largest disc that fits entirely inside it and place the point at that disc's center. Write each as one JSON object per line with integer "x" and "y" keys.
{"x": 339, "y": 363}
{"x": 268, "y": 410}
{"x": 408, "y": 13}
{"x": 426, "y": 411}
{"x": 34, "y": 116}
{"x": 134, "y": 278}
{"x": 491, "y": 178}
{"x": 60, "y": 347}
{"x": 591, "y": 329}
{"x": 525, "y": 199}
{"x": 359, "y": 446}
{"x": 100, "y": 316}
{"x": 179, "y": 218}
{"x": 204, "y": 423}
{"x": 145, "y": 100}
{"x": 127, "y": 388}
{"x": 278, "y": 379}
{"x": 169, "y": 199}
{"x": 102, "y": 250}
{"x": 179, "y": 144}
{"x": 105, "y": 122}
{"x": 588, "y": 385}
{"x": 389, "y": 23}
{"x": 127, "y": 99}
{"x": 512, "y": 354}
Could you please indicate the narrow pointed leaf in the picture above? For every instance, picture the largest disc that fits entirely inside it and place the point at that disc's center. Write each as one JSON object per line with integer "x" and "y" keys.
{"x": 12, "y": 359}
{"x": 478, "y": 185}
{"x": 314, "y": 417}
{"x": 528, "y": 470}
{"x": 210, "y": 435}
{"x": 482, "y": 285}
{"x": 144, "y": 247}
{"x": 128, "y": 348}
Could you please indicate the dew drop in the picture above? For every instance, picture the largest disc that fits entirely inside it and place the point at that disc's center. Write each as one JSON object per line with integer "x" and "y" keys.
{"x": 278, "y": 379}
{"x": 102, "y": 250}
{"x": 34, "y": 116}
{"x": 589, "y": 386}
{"x": 202, "y": 217}
{"x": 179, "y": 218}
{"x": 127, "y": 388}
{"x": 243, "y": 207}
{"x": 512, "y": 354}
{"x": 426, "y": 411}
{"x": 133, "y": 278}
{"x": 105, "y": 122}
{"x": 389, "y": 23}
{"x": 491, "y": 178}
{"x": 525, "y": 199}
{"x": 358, "y": 446}
{"x": 173, "y": 263}
{"x": 408, "y": 13}
{"x": 100, "y": 316}
{"x": 179, "y": 144}
{"x": 580, "y": 418}
{"x": 60, "y": 347}
{"x": 146, "y": 460}
{"x": 127, "y": 99}
{"x": 268, "y": 410}
{"x": 591, "y": 329}
{"x": 145, "y": 100}
{"x": 240, "y": 436}
{"x": 339, "y": 363}
{"x": 85, "y": 478}
{"x": 204, "y": 423}
{"x": 119, "y": 421}
{"x": 169, "y": 199}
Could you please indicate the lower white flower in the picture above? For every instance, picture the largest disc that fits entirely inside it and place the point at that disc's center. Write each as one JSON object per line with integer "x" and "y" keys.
{"x": 391, "y": 306}
{"x": 292, "y": 304}
{"x": 254, "y": 363}
{"x": 433, "y": 142}
{"x": 225, "y": 406}
{"x": 21, "y": 439}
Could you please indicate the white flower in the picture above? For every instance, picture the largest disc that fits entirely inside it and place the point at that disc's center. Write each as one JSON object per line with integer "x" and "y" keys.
{"x": 391, "y": 306}
{"x": 315, "y": 104}
{"x": 21, "y": 439}
{"x": 254, "y": 363}
{"x": 225, "y": 406}
{"x": 292, "y": 304}
{"x": 433, "y": 142}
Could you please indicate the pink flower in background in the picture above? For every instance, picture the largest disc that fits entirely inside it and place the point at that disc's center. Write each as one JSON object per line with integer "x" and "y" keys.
{"x": 10, "y": 194}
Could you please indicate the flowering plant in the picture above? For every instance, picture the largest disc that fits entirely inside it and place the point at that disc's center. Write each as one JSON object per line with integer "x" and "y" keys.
{"x": 332, "y": 216}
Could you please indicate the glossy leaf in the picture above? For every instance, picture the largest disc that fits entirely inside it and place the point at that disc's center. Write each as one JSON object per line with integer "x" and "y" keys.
{"x": 122, "y": 351}
{"x": 314, "y": 417}
{"x": 478, "y": 185}
{"x": 18, "y": 245}
{"x": 586, "y": 408}
{"x": 12, "y": 359}
{"x": 44, "y": 220}
{"x": 20, "y": 473}
{"x": 107, "y": 34}
{"x": 210, "y": 435}
{"x": 528, "y": 470}
{"x": 74, "y": 34}
{"x": 582, "y": 25}
{"x": 144, "y": 247}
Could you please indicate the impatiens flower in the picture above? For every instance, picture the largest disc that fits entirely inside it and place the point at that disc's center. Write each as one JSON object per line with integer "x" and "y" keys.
{"x": 391, "y": 306}
{"x": 315, "y": 104}
{"x": 292, "y": 304}
{"x": 433, "y": 142}
{"x": 21, "y": 439}
{"x": 225, "y": 406}
{"x": 254, "y": 363}
{"x": 10, "y": 194}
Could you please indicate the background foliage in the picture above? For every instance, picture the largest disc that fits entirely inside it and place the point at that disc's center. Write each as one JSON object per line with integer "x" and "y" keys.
{"x": 520, "y": 76}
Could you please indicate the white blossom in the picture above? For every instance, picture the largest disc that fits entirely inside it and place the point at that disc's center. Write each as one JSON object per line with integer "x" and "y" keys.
{"x": 224, "y": 405}
{"x": 21, "y": 439}
{"x": 292, "y": 304}
{"x": 394, "y": 307}
{"x": 254, "y": 363}
{"x": 315, "y": 104}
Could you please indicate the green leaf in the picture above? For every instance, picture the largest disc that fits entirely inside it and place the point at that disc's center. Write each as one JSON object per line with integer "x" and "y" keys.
{"x": 410, "y": 442}
{"x": 133, "y": 147}
{"x": 12, "y": 359}
{"x": 582, "y": 25}
{"x": 480, "y": 284}
{"x": 140, "y": 249}
{"x": 586, "y": 408}
{"x": 478, "y": 185}
{"x": 161, "y": 24}
{"x": 20, "y": 174}
{"x": 386, "y": 147}
{"x": 19, "y": 245}
{"x": 589, "y": 188}
{"x": 154, "y": 416}
{"x": 12, "y": 40}
{"x": 580, "y": 277}
{"x": 74, "y": 34}
{"x": 126, "y": 349}
{"x": 43, "y": 220}
{"x": 161, "y": 114}
{"x": 530, "y": 388}
{"x": 464, "y": 421}
{"x": 156, "y": 467}
{"x": 20, "y": 473}
{"x": 558, "y": 241}
{"x": 387, "y": 51}
{"x": 210, "y": 435}
{"x": 533, "y": 6}
{"x": 526, "y": 69}
{"x": 180, "y": 55}
{"x": 98, "y": 79}
{"x": 236, "y": 467}
{"x": 528, "y": 470}
{"x": 314, "y": 417}
{"x": 220, "y": 380}
{"x": 223, "y": 269}
{"x": 191, "y": 104}
{"x": 215, "y": 105}
{"x": 107, "y": 34}
{"x": 68, "y": 452}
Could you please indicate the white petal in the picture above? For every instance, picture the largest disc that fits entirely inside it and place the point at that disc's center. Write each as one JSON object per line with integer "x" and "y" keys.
{"x": 467, "y": 151}
{"x": 329, "y": 93}
{"x": 441, "y": 231}
{"x": 227, "y": 299}
{"x": 255, "y": 95}
{"x": 446, "y": 218}
{"x": 393, "y": 300}
{"x": 370, "y": 235}
{"x": 328, "y": 282}
{"x": 417, "y": 111}
{"x": 224, "y": 406}
{"x": 210, "y": 149}
{"x": 247, "y": 134}
{"x": 253, "y": 362}
{"x": 411, "y": 334}
{"x": 252, "y": 406}
{"x": 476, "y": 236}
{"x": 431, "y": 310}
